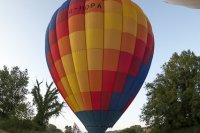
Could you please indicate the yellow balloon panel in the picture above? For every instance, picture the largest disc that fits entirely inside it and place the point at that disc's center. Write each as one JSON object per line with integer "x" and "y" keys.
{"x": 112, "y": 39}
{"x": 83, "y": 81}
{"x": 80, "y": 61}
{"x": 77, "y": 44}
{"x": 95, "y": 59}
{"x": 113, "y": 21}
{"x": 94, "y": 38}
{"x": 127, "y": 21}
{"x": 94, "y": 20}
{"x": 68, "y": 64}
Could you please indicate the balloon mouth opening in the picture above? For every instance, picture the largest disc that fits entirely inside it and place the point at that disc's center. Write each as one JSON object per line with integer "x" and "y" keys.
{"x": 96, "y": 129}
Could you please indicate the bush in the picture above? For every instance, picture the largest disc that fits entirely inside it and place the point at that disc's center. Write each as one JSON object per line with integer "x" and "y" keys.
{"x": 19, "y": 126}
{"x": 14, "y": 125}
{"x": 133, "y": 129}
{"x": 25, "y": 126}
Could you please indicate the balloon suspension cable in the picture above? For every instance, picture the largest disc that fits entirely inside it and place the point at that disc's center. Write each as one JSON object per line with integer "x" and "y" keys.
{"x": 68, "y": 112}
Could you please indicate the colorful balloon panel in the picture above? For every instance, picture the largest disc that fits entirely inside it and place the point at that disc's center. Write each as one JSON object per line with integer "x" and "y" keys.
{"x": 99, "y": 53}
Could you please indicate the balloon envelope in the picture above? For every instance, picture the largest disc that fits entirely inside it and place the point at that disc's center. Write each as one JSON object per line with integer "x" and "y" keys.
{"x": 99, "y": 53}
{"x": 187, "y": 3}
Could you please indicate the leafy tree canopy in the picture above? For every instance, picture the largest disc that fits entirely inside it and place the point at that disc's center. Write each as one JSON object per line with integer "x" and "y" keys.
{"x": 13, "y": 90}
{"x": 47, "y": 105}
{"x": 133, "y": 129}
{"x": 53, "y": 129}
{"x": 174, "y": 96}
{"x": 68, "y": 129}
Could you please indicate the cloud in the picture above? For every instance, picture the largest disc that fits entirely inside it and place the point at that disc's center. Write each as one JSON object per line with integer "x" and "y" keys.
{"x": 187, "y": 3}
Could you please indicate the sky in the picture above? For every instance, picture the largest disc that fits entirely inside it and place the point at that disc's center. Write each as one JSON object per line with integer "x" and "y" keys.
{"x": 22, "y": 41}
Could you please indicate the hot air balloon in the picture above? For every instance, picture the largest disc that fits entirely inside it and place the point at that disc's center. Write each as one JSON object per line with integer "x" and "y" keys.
{"x": 99, "y": 53}
{"x": 187, "y": 3}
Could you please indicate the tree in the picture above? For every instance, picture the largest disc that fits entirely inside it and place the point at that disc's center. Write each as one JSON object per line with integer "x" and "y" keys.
{"x": 53, "y": 129}
{"x": 174, "y": 96}
{"x": 47, "y": 106}
{"x": 133, "y": 129}
{"x": 13, "y": 93}
{"x": 68, "y": 129}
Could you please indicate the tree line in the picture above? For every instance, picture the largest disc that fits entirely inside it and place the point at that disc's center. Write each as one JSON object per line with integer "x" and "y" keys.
{"x": 173, "y": 98}
{"x": 16, "y": 112}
